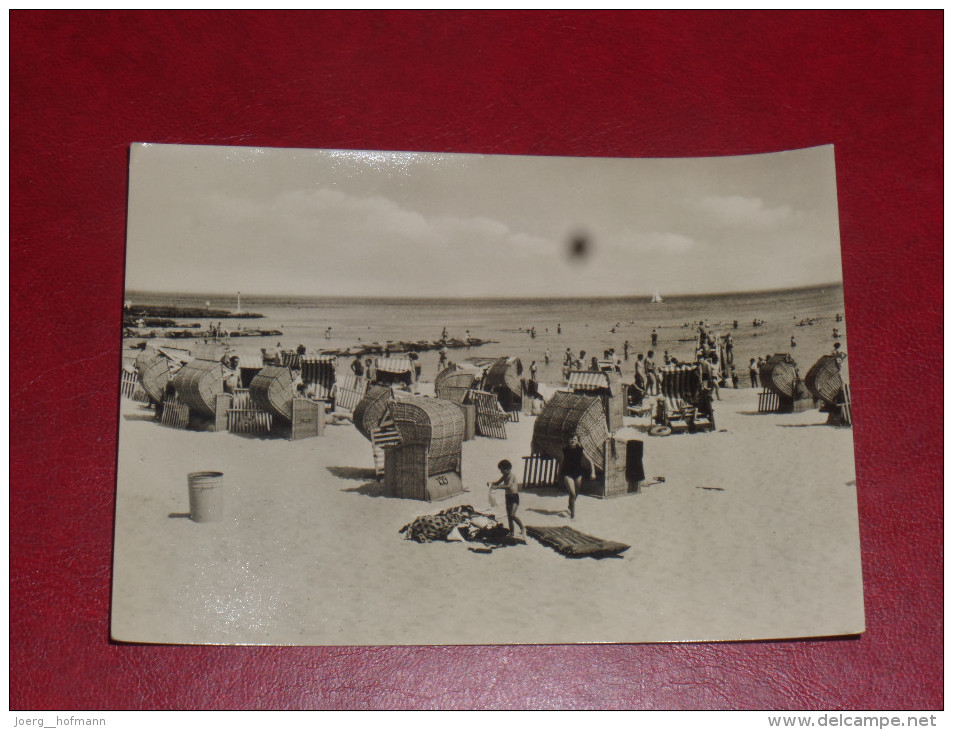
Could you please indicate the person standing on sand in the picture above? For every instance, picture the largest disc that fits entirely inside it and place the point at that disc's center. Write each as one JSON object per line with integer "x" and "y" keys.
{"x": 640, "y": 372}
{"x": 547, "y": 356}
{"x": 625, "y": 349}
{"x": 651, "y": 379}
{"x": 572, "y": 467}
{"x": 709, "y": 378}
{"x": 654, "y": 338}
{"x": 753, "y": 373}
{"x": 508, "y": 482}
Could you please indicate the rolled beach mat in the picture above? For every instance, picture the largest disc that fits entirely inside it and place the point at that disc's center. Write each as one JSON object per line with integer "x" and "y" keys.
{"x": 206, "y": 496}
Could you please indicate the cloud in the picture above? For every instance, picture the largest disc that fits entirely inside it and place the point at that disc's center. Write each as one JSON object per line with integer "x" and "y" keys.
{"x": 332, "y": 242}
{"x": 735, "y": 210}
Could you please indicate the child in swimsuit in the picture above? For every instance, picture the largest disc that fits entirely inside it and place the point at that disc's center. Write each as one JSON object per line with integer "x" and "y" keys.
{"x": 508, "y": 482}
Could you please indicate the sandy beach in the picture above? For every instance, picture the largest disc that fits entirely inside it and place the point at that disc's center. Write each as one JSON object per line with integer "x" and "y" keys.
{"x": 752, "y": 535}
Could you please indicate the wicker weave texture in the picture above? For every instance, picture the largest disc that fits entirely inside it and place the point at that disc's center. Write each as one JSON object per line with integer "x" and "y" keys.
{"x": 568, "y": 414}
{"x": 406, "y": 471}
{"x": 154, "y": 375}
{"x": 272, "y": 391}
{"x": 144, "y": 357}
{"x": 503, "y": 378}
{"x": 824, "y": 381}
{"x": 436, "y": 425}
{"x": 367, "y": 413}
{"x": 197, "y": 384}
{"x": 453, "y": 385}
{"x": 779, "y": 375}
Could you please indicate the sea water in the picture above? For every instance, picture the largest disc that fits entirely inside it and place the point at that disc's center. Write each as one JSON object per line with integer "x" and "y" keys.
{"x": 579, "y": 324}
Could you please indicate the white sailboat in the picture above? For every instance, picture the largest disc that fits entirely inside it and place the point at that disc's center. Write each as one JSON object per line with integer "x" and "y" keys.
{"x": 656, "y": 299}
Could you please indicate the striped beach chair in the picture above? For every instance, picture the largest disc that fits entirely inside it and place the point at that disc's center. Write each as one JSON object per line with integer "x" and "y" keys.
{"x": 683, "y": 397}
{"x": 318, "y": 372}
{"x": 291, "y": 359}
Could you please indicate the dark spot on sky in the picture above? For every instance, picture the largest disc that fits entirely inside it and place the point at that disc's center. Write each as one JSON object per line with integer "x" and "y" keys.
{"x": 579, "y": 247}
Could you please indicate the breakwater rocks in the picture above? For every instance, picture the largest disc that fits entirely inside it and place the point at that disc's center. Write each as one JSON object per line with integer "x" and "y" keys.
{"x": 133, "y": 313}
{"x": 141, "y": 333}
{"x": 398, "y": 347}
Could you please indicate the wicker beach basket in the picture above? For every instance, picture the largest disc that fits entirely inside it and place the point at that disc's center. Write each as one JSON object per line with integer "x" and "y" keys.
{"x": 453, "y": 384}
{"x": 824, "y": 380}
{"x": 370, "y": 409}
{"x": 145, "y": 357}
{"x": 503, "y": 378}
{"x": 779, "y": 375}
{"x": 272, "y": 391}
{"x": 197, "y": 384}
{"x": 154, "y": 376}
{"x": 214, "y": 351}
{"x": 568, "y": 414}
{"x": 436, "y": 425}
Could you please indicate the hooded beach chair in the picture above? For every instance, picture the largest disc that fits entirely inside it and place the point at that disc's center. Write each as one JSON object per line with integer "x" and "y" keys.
{"x": 683, "y": 398}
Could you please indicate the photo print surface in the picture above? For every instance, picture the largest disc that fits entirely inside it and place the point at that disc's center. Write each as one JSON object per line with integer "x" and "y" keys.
{"x": 378, "y": 398}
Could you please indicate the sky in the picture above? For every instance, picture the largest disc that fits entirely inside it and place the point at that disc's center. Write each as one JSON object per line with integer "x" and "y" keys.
{"x": 209, "y": 219}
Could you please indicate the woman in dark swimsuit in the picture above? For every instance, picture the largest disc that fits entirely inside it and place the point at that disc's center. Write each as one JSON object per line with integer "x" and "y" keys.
{"x": 573, "y": 458}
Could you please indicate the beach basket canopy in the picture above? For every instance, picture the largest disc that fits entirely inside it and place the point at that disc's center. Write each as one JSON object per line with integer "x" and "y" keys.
{"x": 587, "y": 380}
{"x": 566, "y": 415}
{"x": 197, "y": 384}
{"x": 370, "y": 409}
{"x": 272, "y": 390}
{"x": 824, "y": 380}
{"x": 779, "y": 374}
{"x": 453, "y": 384}
{"x": 434, "y": 424}
{"x": 396, "y": 365}
{"x": 681, "y": 382}
{"x": 154, "y": 375}
{"x": 505, "y": 373}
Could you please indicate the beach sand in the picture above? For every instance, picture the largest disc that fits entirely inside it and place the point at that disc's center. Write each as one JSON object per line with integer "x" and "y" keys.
{"x": 753, "y": 535}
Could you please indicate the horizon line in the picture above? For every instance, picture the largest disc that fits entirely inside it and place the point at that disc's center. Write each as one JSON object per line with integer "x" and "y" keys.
{"x": 647, "y": 296}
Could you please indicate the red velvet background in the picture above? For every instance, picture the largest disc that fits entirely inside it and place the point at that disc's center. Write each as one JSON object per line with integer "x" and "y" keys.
{"x": 86, "y": 85}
